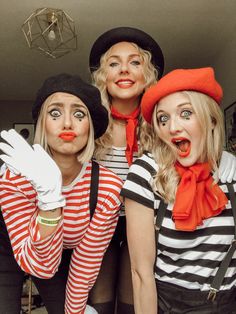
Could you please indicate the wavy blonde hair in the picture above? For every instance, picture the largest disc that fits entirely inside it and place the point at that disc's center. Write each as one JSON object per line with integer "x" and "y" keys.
{"x": 41, "y": 137}
{"x": 208, "y": 113}
{"x": 104, "y": 143}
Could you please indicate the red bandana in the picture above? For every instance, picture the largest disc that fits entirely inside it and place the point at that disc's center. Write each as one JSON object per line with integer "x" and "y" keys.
{"x": 197, "y": 197}
{"x": 131, "y": 138}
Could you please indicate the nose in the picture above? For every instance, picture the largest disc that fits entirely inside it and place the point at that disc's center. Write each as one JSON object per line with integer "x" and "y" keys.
{"x": 124, "y": 67}
{"x": 68, "y": 123}
{"x": 175, "y": 125}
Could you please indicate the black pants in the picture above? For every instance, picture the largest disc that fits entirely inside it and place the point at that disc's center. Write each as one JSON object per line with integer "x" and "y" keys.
{"x": 51, "y": 290}
{"x": 173, "y": 299}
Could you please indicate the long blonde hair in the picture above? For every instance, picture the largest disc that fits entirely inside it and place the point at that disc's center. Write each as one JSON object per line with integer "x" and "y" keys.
{"x": 208, "y": 113}
{"x": 103, "y": 144}
{"x": 41, "y": 137}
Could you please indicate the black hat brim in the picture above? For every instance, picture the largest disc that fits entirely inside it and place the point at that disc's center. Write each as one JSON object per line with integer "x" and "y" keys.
{"x": 129, "y": 34}
{"x": 73, "y": 84}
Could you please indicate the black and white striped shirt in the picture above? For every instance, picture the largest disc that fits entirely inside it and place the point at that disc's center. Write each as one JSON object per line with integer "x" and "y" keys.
{"x": 187, "y": 259}
{"x": 115, "y": 160}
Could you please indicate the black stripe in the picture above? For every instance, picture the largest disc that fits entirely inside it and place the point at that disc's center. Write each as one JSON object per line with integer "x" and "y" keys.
{"x": 200, "y": 248}
{"x": 136, "y": 197}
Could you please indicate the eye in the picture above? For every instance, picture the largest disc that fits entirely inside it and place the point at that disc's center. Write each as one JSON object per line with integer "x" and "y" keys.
{"x": 162, "y": 119}
{"x": 113, "y": 64}
{"x": 55, "y": 113}
{"x": 186, "y": 113}
{"x": 79, "y": 114}
{"x": 135, "y": 62}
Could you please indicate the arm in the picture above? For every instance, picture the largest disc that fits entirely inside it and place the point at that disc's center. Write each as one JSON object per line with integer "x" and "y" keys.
{"x": 37, "y": 256}
{"x": 87, "y": 256}
{"x": 142, "y": 249}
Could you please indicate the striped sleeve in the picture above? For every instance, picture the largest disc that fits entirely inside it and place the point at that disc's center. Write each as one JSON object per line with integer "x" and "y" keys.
{"x": 18, "y": 204}
{"x": 137, "y": 186}
{"x": 87, "y": 256}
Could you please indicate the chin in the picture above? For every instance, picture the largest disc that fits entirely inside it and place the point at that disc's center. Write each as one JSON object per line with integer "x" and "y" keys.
{"x": 187, "y": 162}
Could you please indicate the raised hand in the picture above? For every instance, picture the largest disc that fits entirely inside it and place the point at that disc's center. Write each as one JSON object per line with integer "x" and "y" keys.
{"x": 227, "y": 168}
{"x": 36, "y": 165}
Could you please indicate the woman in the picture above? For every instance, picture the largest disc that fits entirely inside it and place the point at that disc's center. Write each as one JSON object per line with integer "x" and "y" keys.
{"x": 175, "y": 184}
{"x": 124, "y": 61}
{"x": 45, "y": 194}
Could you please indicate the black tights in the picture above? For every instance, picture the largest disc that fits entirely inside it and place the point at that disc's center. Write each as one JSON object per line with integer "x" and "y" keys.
{"x": 113, "y": 288}
{"x": 11, "y": 276}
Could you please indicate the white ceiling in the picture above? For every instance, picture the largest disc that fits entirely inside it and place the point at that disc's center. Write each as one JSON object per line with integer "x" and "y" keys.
{"x": 191, "y": 33}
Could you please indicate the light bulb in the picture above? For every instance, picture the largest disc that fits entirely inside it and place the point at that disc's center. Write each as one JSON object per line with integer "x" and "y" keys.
{"x": 51, "y": 35}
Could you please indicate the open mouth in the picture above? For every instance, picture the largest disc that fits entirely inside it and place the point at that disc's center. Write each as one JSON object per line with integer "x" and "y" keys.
{"x": 124, "y": 83}
{"x": 183, "y": 146}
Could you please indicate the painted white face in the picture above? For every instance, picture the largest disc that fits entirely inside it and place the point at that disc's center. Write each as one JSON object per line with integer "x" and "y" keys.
{"x": 67, "y": 124}
{"x": 125, "y": 78}
{"x": 179, "y": 127}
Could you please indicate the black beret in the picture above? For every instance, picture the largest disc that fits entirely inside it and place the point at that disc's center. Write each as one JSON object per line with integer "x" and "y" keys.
{"x": 73, "y": 84}
{"x": 129, "y": 34}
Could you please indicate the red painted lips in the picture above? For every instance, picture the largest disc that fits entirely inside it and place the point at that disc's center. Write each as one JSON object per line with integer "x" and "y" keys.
{"x": 67, "y": 136}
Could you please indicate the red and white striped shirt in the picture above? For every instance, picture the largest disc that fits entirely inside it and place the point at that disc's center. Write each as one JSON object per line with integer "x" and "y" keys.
{"x": 89, "y": 240}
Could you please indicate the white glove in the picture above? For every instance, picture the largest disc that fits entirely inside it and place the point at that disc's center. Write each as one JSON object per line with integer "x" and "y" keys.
{"x": 227, "y": 168}
{"x": 90, "y": 310}
{"x": 37, "y": 166}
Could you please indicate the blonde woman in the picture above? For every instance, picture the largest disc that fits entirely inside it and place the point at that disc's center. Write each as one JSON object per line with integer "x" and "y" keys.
{"x": 55, "y": 234}
{"x": 124, "y": 61}
{"x": 176, "y": 258}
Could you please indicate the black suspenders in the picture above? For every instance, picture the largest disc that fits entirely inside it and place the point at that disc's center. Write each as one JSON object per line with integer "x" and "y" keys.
{"x": 219, "y": 277}
{"x": 93, "y": 187}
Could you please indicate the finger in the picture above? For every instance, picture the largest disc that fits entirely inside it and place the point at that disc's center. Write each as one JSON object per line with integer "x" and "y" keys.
{"x": 226, "y": 164}
{"x": 231, "y": 174}
{"x": 16, "y": 140}
{"x": 234, "y": 176}
{"x": 222, "y": 175}
{"x": 7, "y": 149}
{"x": 10, "y": 163}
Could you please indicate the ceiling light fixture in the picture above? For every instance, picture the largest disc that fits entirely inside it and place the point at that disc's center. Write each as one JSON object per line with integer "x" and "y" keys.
{"x": 51, "y": 31}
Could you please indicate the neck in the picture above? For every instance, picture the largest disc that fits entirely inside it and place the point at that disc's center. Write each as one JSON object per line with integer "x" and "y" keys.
{"x": 69, "y": 166}
{"x": 125, "y": 106}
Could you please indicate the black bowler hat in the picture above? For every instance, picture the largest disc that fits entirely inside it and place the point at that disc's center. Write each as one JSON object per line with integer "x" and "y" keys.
{"x": 73, "y": 84}
{"x": 129, "y": 34}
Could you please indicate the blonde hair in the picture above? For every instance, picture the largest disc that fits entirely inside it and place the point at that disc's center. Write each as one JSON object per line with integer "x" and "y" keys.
{"x": 41, "y": 137}
{"x": 208, "y": 113}
{"x": 104, "y": 143}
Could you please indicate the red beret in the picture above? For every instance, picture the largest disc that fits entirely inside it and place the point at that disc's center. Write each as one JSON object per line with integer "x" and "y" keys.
{"x": 200, "y": 80}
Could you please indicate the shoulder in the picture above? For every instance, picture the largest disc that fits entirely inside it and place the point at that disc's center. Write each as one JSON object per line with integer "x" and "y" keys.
{"x": 144, "y": 165}
{"x": 138, "y": 185}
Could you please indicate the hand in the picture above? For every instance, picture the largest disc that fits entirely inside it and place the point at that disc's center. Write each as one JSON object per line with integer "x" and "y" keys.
{"x": 90, "y": 310}
{"x": 37, "y": 166}
{"x": 227, "y": 168}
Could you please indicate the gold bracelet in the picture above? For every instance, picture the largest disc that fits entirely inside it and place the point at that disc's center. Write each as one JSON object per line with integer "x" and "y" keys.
{"x": 51, "y": 222}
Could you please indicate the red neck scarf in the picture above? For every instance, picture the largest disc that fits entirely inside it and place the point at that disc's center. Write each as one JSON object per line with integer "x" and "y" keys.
{"x": 131, "y": 126}
{"x": 197, "y": 197}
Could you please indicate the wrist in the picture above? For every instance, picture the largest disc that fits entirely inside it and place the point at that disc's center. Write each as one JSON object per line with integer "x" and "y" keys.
{"x": 49, "y": 205}
{"x": 50, "y": 222}
{"x": 54, "y": 213}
